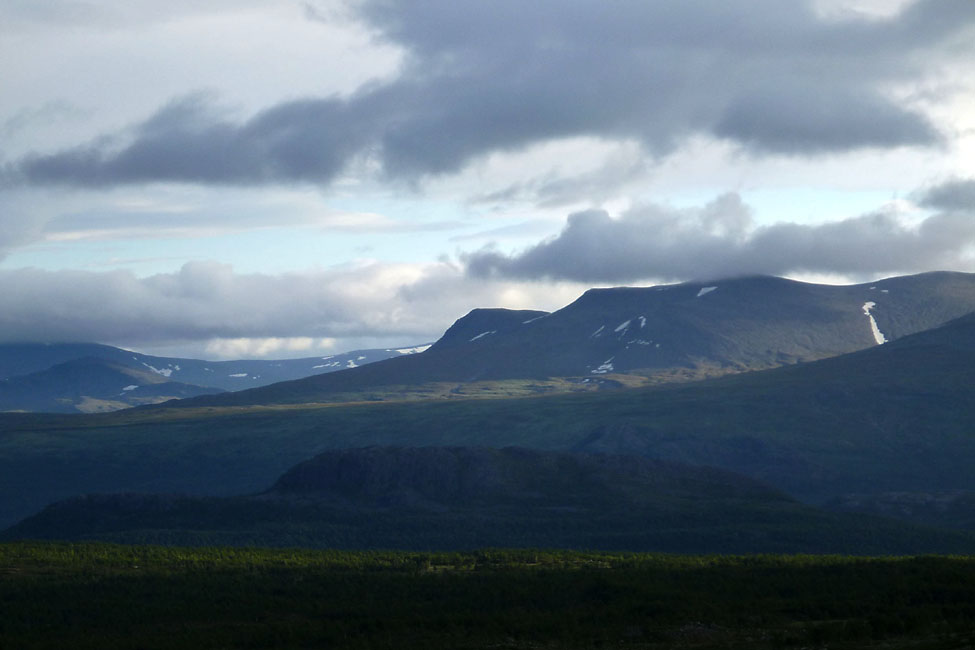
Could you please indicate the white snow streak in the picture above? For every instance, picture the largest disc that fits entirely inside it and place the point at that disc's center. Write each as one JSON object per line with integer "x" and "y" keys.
{"x": 165, "y": 372}
{"x": 607, "y": 366}
{"x": 878, "y": 336}
{"x": 131, "y": 387}
{"x": 484, "y": 334}
{"x": 704, "y": 291}
{"x": 532, "y": 320}
{"x": 597, "y": 332}
{"x": 622, "y": 326}
{"x": 238, "y": 374}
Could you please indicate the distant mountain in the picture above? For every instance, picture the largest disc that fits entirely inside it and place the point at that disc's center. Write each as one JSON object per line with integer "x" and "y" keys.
{"x": 90, "y": 385}
{"x": 462, "y": 498}
{"x": 689, "y": 330}
{"x": 25, "y": 367}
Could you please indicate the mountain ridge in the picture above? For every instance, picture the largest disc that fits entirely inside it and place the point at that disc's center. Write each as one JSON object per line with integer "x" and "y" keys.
{"x": 39, "y": 376}
{"x": 692, "y": 329}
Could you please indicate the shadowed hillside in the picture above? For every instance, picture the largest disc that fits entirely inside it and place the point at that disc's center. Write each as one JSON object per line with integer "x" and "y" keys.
{"x": 462, "y": 498}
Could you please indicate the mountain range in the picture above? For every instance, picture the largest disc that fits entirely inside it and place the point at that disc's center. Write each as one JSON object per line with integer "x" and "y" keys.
{"x": 88, "y": 377}
{"x": 653, "y": 334}
{"x": 869, "y": 431}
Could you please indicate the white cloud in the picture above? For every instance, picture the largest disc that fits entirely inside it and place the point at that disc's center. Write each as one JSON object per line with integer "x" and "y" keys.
{"x": 267, "y": 347}
{"x": 720, "y": 239}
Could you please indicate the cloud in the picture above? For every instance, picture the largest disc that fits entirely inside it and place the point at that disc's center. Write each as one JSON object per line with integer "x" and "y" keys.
{"x": 720, "y": 240}
{"x": 954, "y": 195}
{"x": 209, "y": 307}
{"x": 186, "y": 141}
{"x": 767, "y": 75}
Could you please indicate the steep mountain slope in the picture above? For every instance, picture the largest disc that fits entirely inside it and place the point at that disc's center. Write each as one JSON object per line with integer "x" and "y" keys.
{"x": 460, "y": 498}
{"x": 18, "y": 359}
{"x": 729, "y": 326}
{"x": 91, "y": 385}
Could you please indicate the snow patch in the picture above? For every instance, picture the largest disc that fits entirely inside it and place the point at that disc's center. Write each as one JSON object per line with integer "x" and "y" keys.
{"x": 532, "y": 320}
{"x": 326, "y": 365}
{"x": 238, "y": 374}
{"x": 643, "y": 321}
{"x": 704, "y": 291}
{"x": 606, "y": 366}
{"x": 351, "y": 364}
{"x": 624, "y": 325}
{"x": 484, "y": 334}
{"x": 885, "y": 291}
{"x": 640, "y": 342}
{"x": 359, "y": 358}
{"x": 165, "y": 372}
{"x": 878, "y": 336}
{"x": 597, "y": 332}
{"x": 417, "y": 350}
{"x": 130, "y": 387}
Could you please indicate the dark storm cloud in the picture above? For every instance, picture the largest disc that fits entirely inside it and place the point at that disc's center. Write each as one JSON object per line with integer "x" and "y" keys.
{"x": 185, "y": 141}
{"x": 769, "y": 75}
{"x": 719, "y": 240}
{"x": 956, "y": 195}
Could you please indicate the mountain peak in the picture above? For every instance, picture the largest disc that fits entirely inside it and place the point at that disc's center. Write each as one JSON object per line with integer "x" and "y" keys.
{"x": 481, "y": 323}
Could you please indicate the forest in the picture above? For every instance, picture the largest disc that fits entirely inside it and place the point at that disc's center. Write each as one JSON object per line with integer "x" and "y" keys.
{"x": 60, "y": 595}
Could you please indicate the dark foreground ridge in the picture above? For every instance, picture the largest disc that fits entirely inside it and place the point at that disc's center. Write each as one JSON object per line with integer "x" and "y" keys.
{"x": 462, "y": 498}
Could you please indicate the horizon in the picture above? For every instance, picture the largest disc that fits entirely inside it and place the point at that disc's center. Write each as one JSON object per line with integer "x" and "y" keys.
{"x": 334, "y": 175}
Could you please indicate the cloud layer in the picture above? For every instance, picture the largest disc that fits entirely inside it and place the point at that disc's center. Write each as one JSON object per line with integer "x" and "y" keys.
{"x": 209, "y": 306}
{"x": 211, "y": 309}
{"x": 768, "y": 75}
{"x": 720, "y": 240}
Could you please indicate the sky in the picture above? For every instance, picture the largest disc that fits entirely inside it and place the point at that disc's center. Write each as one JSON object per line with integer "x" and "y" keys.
{"x": 247, "y": 178}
